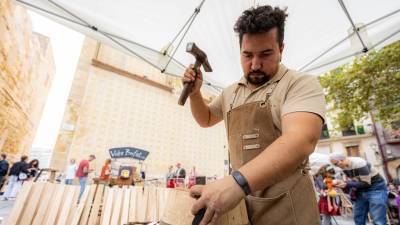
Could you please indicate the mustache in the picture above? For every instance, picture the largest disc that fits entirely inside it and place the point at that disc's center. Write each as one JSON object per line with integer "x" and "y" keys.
{"x": 256, "y": 72}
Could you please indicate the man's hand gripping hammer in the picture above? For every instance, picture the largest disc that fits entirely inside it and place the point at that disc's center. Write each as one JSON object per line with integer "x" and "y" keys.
{"x": 201, "y": 59}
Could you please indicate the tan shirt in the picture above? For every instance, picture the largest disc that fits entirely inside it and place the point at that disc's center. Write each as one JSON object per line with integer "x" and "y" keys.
{"x": 295, "y": 92}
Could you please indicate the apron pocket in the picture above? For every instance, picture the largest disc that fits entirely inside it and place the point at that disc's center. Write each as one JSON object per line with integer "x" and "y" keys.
{"x": 271, "y": 211}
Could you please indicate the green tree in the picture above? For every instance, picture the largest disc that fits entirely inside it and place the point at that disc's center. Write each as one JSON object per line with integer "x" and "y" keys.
{"x": 369, "y": 83}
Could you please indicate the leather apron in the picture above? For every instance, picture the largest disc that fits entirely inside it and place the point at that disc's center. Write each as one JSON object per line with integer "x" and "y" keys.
{"x": 292, "y": 201}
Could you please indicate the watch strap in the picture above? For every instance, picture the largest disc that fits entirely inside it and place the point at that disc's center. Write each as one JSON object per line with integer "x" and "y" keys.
{"x": 241, "y": 181}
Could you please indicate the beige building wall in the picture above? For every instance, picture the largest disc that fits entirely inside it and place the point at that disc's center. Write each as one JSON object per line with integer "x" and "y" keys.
{"x": 27, "y": 70}
{"x": 119, "y": 101}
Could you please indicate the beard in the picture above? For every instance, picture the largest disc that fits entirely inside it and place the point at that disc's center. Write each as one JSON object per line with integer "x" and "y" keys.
{"x": 257, "y": 77}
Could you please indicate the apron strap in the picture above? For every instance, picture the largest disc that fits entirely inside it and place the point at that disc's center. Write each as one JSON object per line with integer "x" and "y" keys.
{"x": 305, "y": 167}
{"x": 269, "y": 93}
{"x": 234, "y": 97}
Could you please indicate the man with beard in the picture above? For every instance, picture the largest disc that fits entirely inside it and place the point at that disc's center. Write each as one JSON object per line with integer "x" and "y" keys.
{"x": 274, "y": 116}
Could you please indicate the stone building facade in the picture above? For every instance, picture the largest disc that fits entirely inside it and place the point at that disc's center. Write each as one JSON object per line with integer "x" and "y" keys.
{"x": 119, "y": 101}
{"x": 27, "y": 70}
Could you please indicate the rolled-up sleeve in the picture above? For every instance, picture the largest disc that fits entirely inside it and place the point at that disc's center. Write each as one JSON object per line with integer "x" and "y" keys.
{"x": 305, "y": 95}
{"x": 216, "y": 106}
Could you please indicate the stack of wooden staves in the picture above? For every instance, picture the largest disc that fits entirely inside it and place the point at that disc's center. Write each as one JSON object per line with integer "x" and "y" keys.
{"x": 56, "y": 204}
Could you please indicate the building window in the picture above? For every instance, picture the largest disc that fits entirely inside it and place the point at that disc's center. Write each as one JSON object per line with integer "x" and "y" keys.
{"x": 353, "y": 151}
{"x": 325, "y": 132}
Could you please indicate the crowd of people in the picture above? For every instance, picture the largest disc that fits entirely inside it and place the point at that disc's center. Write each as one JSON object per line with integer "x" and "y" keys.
{"x": 355, "y": 179}
{"x": 25, "y": 170}
{"x": 177, "y": 177}
{"x": 19, "y": 172}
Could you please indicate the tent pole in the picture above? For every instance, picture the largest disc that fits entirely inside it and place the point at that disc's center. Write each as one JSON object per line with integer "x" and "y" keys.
{"x": 325, "y": 52}
{"x": 365, "y": 48}
{"x": 192, "y": 18}
{"x": 353, "y": 54}
{"x": 380, "y": 18}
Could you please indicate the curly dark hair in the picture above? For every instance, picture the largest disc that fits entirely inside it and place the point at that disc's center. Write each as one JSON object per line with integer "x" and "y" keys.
{"x": 33, "y": 162}
{"x": 261, "y": 19}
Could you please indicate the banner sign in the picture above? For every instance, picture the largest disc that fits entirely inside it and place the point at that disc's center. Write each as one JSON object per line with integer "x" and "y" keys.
{"x": 128, "y": 152}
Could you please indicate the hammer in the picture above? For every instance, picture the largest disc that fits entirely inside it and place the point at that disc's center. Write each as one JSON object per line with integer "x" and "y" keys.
{"x": 201, "y": 59}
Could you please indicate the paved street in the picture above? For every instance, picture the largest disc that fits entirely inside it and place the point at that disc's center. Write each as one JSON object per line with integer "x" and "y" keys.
{"x": 5, "y": 209}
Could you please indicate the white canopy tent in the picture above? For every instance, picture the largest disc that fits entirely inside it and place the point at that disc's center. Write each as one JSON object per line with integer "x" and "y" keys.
{"x": 319, "y": 35}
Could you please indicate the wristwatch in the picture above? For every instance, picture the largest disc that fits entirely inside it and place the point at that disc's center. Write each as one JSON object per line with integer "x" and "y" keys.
{"x": 241, "y": 181}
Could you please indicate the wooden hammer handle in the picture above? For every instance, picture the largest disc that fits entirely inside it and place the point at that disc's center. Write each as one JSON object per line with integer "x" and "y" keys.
{"x": 187, "y": 87}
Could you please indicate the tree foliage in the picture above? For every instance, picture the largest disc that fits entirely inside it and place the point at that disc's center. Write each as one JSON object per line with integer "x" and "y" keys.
{"x": 369, "y": 83}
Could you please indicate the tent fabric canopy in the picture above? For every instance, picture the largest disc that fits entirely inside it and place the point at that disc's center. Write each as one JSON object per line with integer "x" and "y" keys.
{"x": 319, "y": 35}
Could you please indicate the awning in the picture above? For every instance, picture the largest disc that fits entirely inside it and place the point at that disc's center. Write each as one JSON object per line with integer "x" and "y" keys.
{"x": 318, "y": 33}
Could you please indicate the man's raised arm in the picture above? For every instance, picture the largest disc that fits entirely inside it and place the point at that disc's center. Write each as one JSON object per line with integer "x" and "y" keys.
{"x": 200, "y": 111}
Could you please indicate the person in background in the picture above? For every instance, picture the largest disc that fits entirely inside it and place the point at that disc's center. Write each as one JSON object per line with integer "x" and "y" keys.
{"x": 33, "y": 168}
{"x": 180, "y": 175}
{"x": 4, "y": 165}
{"x": 18, "y": 173}
{"x": 169, "y": 177}
{"x": 371, "y": 192}
{"x": 327, "y": 203}
{"x": 106, "y": 171}
{"x": 142, "y": 170}
{"x": 82, "y": 173}
{"x": 393, "y": 197}
{"x": 398, "y": 203}
{"x": 71, "y": 171}
{"x": 192, "y": 177}
{"x": 180, "y": 171}
{"x": 170, "y": 173}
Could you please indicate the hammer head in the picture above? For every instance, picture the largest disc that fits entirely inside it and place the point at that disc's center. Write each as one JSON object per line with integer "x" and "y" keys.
{"x": 201, "y": 57}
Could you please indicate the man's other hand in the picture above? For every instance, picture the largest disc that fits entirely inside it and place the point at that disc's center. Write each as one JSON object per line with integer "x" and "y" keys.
{"x": 218, "y": 198}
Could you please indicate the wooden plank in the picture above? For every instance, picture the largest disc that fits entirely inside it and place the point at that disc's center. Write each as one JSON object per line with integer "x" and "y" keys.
{"x": 162, "y": 195}
{"x": 125, "y": 206}
{"x": 151, "y": 211}
{"x": 94, "y": 213}
{"x": 98, "y": 206}
{"x": 130, "y": 75}
{"x": 20, "y": 203}
{"x": 141, "y": 204}
{"x": 132, "y": 205}
{"x": 177, "y": 212}
{"x": 55, "y": 205}
{"x": 104, "y": 203}
{"x": 88, "y": 205}
{"x": 223, "y": 220}
{"x": 67, "y": 205}
{"x": 47, "y": 197}
{"x": 108, "y": 207}
{"x": 116, "y": 214}
{"x": 77, "y": 213}
{"x": 32, "y": 204}
{"x": 235, "y": 216}
{"x": 243, "y": 212}
{"x": 75, "y": 203}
